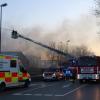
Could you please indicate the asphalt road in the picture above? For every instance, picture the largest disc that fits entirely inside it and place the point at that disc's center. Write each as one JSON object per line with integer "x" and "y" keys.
{"x": 58, "y": 90}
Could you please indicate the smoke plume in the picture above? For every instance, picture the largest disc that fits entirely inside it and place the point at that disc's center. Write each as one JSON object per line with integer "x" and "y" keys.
{"x": 80, "y": 31}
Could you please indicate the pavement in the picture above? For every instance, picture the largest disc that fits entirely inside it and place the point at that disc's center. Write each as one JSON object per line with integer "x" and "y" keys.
{"x": 55, "y": 90}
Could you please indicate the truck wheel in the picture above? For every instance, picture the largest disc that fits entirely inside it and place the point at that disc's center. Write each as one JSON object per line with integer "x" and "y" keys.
{"x": 2, "y": 87}
{"x": 27, "y": 83}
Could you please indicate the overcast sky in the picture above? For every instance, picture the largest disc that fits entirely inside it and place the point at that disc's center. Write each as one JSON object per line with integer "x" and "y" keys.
{"x": 27, "y": 13}
{"x": 49, "y": 14}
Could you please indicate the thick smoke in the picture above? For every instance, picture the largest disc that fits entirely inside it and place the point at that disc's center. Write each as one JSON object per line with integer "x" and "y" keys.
{"x": 80, "y": 31}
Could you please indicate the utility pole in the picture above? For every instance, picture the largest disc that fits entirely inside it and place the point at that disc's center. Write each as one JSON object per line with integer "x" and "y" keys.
{"x": 1, "y": 6}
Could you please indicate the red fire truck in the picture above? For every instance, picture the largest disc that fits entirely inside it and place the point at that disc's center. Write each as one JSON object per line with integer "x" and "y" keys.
{"x": 88, "y": 68}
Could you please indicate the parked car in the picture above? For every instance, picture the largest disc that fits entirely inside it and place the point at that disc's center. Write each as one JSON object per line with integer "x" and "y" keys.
{"x": 53, "y": 74}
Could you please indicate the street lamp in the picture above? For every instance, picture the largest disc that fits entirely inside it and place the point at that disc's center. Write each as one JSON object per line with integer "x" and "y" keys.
{"x": 2, "y": 5}
{"x": 67, "y": 45}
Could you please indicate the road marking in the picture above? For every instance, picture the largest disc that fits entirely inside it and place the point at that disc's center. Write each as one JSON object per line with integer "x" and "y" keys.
{"x": 68, "y": 85}
{"x": 74, "y": 90}
{"x": 17, "y": 94}
{"x": 37, "y": 94}
{"x": 27, "y": 94}
{"x": 36, "y": 88}
{"x": 48, "y": 95}
{"x": 59, "y": 95}
{"x": 43, "y": 85}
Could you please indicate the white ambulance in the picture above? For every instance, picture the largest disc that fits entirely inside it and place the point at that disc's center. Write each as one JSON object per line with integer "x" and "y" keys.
{"x": 12, "y": 72}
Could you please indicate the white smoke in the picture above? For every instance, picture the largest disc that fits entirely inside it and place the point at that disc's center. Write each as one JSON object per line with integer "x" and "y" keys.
{"x": 79, "y": 31}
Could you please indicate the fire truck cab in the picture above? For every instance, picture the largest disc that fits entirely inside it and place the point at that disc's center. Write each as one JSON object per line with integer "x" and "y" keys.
{"x": 88, "y": 68}
{"x": 12, "y": 72}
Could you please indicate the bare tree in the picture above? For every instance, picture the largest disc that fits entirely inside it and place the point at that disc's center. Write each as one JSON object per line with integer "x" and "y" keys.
{"x": 81, "y": 51}
{"x": 51, "y": 54}
{"x": 60, "y": 58}
{"x": 97, "y": 8}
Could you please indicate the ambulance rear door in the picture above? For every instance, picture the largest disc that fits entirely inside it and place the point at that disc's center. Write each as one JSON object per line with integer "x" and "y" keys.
{"x": 14, "y": 69}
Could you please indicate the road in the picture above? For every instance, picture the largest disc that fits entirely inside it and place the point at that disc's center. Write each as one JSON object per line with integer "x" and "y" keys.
{"x": 58, "y": 90}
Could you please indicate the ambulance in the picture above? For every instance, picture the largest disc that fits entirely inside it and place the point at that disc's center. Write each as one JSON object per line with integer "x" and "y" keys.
{"x": 12, "y": 72}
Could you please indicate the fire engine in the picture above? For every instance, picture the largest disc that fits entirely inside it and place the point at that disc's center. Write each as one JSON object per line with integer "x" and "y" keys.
{"x": 12, "y": 72}
{"x": 88, "y": 68}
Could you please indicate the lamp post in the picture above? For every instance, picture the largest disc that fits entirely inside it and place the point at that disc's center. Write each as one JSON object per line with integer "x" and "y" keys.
{"x": 1, "y": 6}
{"x": 67, "y": 45}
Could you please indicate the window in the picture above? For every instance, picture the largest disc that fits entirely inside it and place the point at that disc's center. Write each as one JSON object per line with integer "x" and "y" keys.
{"x": 87, "y": 61}
{"x": 13, "y": 63}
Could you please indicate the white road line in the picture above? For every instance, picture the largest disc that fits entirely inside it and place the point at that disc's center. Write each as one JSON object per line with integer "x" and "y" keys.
{"x": 36, "y": 88}
{"x": 68, "y": 85}
{"x": 37, "y": 94}
{"x": 59, "y": 95}
{"x": 74, "y": 90}
{"x": 17, "y": 94}
{"x": 48, "y": 95}
{"x": 27, "y": 94}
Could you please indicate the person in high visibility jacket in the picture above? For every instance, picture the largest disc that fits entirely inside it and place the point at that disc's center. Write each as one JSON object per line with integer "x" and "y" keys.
{"x": 67, "y": 74}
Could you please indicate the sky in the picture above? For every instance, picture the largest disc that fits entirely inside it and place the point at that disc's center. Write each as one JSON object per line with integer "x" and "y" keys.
{"x": 66, "y": 19}
{"x": 47, "y": 13}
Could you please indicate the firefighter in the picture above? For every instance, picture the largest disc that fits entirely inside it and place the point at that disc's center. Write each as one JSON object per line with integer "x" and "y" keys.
{"x": 67, "y": 74}
{"x": 73, "y": 75}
